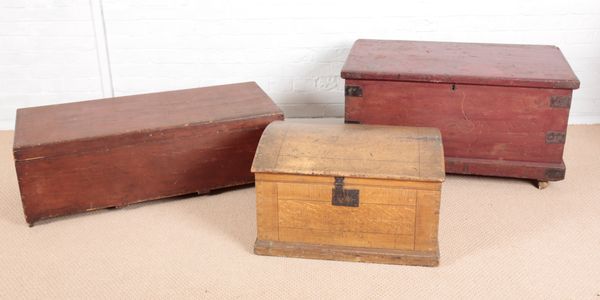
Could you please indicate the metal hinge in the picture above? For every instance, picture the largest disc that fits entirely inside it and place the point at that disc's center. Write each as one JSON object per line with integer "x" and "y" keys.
{"x": 560, "y": 101}
{"x": 353, "y": 91}
{"x": 343, "y": 197}
{"x": 554, "y": 137}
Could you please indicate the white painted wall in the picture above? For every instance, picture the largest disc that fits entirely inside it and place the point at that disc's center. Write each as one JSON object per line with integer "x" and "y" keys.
{"x": 54, "y": 51}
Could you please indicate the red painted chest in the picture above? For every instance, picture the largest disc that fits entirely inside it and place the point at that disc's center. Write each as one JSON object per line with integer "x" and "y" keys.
{"x": 81, "y": 156}
{"x": 502, "y": 109}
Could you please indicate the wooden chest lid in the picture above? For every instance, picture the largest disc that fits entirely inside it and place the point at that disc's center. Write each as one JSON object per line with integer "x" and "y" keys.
{"x": 538, "y": 66}
{"x": 88, "y": 121}
{"x": 351, "y": 150}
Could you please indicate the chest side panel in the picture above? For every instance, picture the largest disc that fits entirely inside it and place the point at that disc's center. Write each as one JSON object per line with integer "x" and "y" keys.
{"x": 487, "y": 122}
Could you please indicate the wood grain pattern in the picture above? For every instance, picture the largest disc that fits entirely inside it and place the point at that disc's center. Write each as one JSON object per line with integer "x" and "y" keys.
{"x": 128, "y": 115}
{"x": 384, "y": 195}
{"x": 350, "y": 151}
{"x": 427, "y": 220}
{"x": 267, "y": 216}
{"x": 540, "y": 66}
{"x": 338, "y": 238}
{"x": 368, "y": 194}
{"x": 60, "y": 177}
{"x": 304, "y": 213}
{"x": 493, "y": 131}
{"x": 388, "y": 216}
{"x": 485, "y": 122}
{"x": 436, "y": 186}
{"x": 355, "y": 254}
{"x": 278, "y": 177}
{"x": 405, "y": 242}
{"x": 304, "y": 191}
{"x": 367, "y": 218}
{"x": 506, "y": 168}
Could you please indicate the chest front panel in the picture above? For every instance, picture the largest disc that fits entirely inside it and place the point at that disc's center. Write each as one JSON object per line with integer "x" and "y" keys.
{"x": 120, "y": 172}
{"x": 476, "y": 121}
{"x": 388, "y": 214}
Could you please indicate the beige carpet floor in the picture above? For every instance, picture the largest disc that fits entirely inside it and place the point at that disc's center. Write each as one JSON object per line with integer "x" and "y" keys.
{"x": 499, "y": 238}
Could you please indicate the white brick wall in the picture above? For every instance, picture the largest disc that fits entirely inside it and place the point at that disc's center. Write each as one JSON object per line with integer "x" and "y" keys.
{"x": 67, "y": 50}
{"x": 47, "y": 55}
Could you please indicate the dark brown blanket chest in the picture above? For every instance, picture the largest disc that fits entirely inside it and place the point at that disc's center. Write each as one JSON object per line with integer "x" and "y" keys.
{"x": 95, "y": 154}
{"x": 502, "y": 109}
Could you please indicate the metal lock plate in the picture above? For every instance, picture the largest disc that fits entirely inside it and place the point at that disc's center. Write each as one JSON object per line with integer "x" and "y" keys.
{"x": 343, "y": 197}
